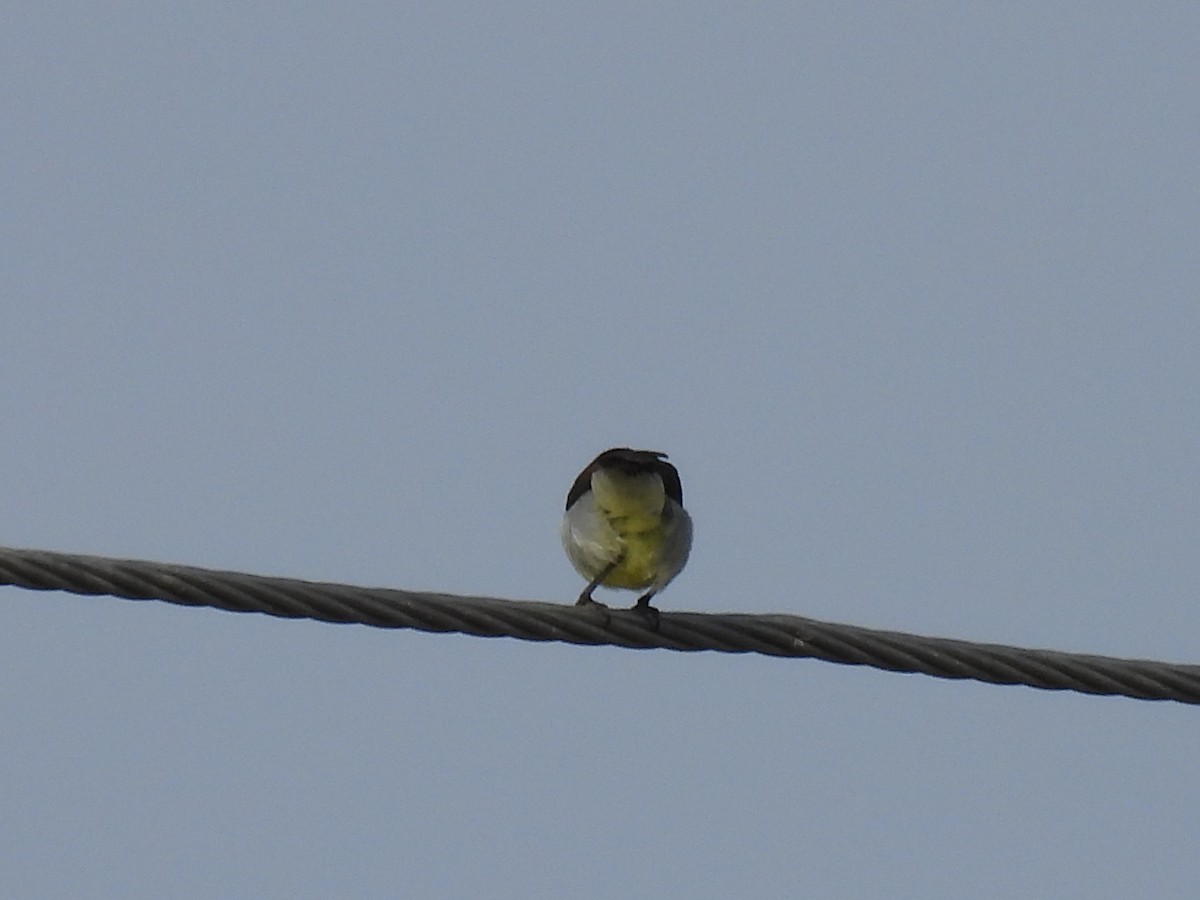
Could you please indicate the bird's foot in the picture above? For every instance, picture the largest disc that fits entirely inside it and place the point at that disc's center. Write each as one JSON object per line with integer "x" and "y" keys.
{"x": 585, "y": 599}
{"x": 646, "y": 611}
{"x": 594, "y": 607}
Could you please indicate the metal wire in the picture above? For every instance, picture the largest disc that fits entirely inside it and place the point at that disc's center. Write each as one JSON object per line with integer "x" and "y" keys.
{"x": 771, "y": 635}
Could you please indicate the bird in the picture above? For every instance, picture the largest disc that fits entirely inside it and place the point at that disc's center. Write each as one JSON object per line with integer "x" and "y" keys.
{"x": 625, "y": 525}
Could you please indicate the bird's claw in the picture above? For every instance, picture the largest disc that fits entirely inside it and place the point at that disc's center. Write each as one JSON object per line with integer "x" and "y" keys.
{"x": 595, "y": 607}
{"x": 648, "y": 612}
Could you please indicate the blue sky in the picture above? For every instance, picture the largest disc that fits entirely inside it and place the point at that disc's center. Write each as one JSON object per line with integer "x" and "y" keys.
{"x": 908, "y": 293}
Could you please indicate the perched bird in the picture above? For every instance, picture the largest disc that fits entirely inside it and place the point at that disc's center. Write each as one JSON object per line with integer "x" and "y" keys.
{"x": 625, "y": 525}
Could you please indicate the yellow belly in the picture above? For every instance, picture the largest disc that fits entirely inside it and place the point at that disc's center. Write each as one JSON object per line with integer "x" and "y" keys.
{"x": 642, "y": 560}
{"x": 633, "y": 506}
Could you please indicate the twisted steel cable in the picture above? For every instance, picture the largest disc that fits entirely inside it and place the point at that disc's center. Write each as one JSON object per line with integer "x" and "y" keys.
{"x": 771, "y": 635}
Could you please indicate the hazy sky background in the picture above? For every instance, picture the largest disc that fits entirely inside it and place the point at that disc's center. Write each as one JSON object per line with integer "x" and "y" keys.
{"x": 909, "y": 292}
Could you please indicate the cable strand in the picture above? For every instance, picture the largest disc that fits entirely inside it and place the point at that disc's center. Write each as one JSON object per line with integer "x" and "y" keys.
{"x": 769, "y": 635}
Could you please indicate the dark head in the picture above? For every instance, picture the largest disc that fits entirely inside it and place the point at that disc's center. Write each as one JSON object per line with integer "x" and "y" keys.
{"x": 631, "y": 462}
